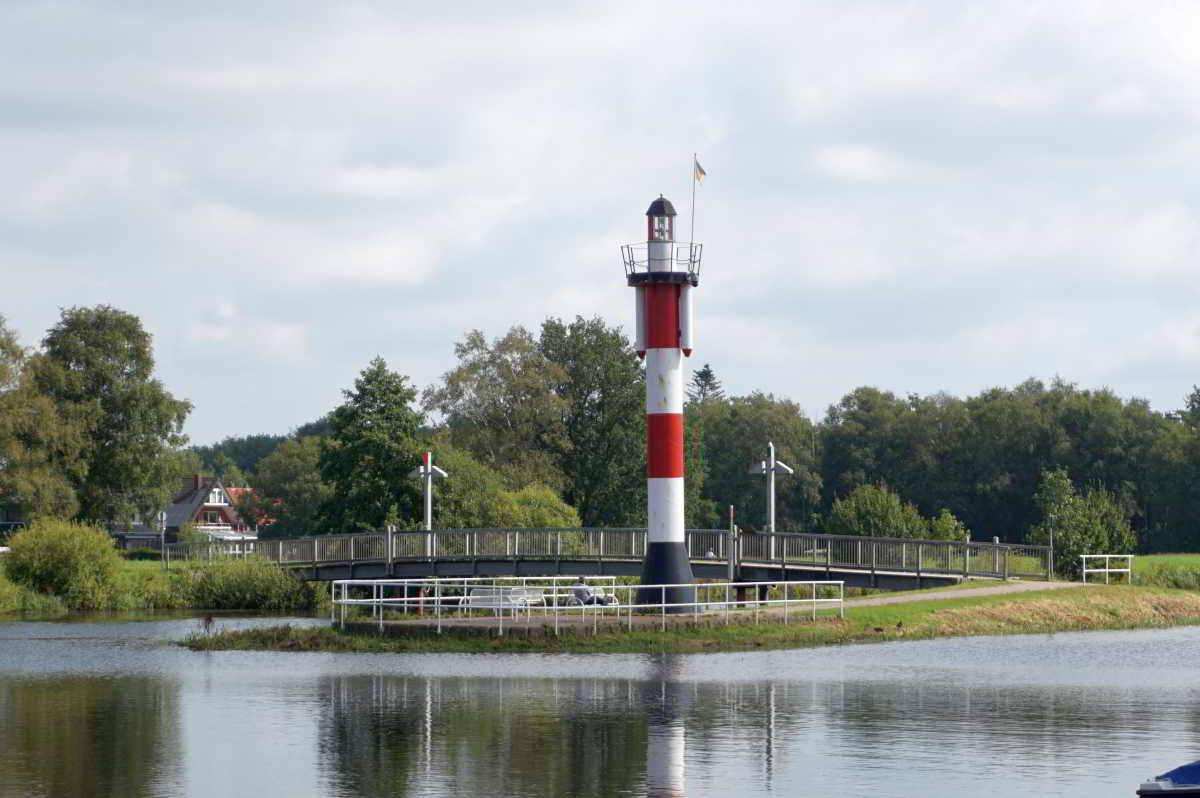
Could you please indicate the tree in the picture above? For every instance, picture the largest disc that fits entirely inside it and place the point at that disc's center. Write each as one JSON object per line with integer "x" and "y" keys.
{"x": 601, "y": 453}
{"x": 1091, "y": 523}
{"x": 704, "y": 386}
{"x": 287, "y": 491}
{"x": 537, "y": 506}
{"x": 369, "y": 453}
{"x": 944, "y": 526}
{"x": 98, "y": 369}
{"x": 244, "y": 451}
{"x": 473, "y": 496}
{"x": 500, "y": 404}
{"x": 736, "y": 433}
{"x": 224, "y": 469}
{"x": 40, "y": 450}
{"x": 876, "y": 511}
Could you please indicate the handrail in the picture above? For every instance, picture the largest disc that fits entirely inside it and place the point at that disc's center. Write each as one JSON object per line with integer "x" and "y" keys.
{"x": 1107, "y": 569}
{"x": 445, "y": 595}
{"x": 964, "y": 558}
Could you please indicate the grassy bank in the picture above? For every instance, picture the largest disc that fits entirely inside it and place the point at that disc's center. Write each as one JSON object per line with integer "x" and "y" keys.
{"x": 1180, "y": 571}
{"x": 1076, "y": 609}
{"x": 144, "y": 585}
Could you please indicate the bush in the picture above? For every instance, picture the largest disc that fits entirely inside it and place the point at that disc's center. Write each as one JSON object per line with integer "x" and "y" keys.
{"x": 875, "y": 511}
{"x": 17, "y": 598}
{"x": 250, "y": 584}
{"x": 1091, "y": 522}
{"x": 76, "y": 563}
{"x": 537, "y": 506}
{"x": 944, "y": 526}
{"x": 143, "y": 553}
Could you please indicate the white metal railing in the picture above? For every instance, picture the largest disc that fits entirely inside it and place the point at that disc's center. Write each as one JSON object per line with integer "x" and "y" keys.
{"x": 921, "y": 557}
{"x": 553, "y": 598}
{"x": 682, "y": 257}
{"x": 1107, "y": 569}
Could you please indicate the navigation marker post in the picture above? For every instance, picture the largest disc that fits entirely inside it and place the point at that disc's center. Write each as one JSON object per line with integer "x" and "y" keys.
{"x": 771, "y": 467}
{"x": 427, "y": 471}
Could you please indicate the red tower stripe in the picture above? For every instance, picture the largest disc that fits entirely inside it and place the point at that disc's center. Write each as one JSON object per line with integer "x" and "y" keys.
{"x": 662, "y": 316}
{"x": 664, "y": 445}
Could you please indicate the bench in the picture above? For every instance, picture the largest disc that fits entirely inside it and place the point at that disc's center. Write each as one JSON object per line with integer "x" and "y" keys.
{"x": 597, "y": 592}
{"x": 504, "y": 598}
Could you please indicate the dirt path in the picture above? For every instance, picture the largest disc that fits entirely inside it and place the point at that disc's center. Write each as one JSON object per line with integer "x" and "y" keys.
{"x": 968, "y": 592}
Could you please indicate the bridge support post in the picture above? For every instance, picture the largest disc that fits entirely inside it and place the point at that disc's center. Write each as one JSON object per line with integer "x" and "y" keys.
{"x": 874, "y": 578}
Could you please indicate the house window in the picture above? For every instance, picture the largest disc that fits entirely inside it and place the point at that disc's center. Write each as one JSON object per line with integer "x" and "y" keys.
{"x": 211, "y": 517}
{"x": 217, "y": 496}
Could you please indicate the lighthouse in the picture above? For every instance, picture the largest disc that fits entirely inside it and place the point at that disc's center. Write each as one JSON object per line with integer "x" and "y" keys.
{"x": 663, "y": 275}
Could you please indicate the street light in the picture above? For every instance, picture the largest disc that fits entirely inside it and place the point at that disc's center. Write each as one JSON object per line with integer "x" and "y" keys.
{"x": 162, "y": 535}
{"x": 771, "y": 467}
{"x": 1050, "y": 556}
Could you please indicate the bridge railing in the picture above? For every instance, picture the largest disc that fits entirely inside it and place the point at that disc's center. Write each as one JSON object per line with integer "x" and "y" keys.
{"x": 897, "y": 554}
{"x": 829, "y": 551}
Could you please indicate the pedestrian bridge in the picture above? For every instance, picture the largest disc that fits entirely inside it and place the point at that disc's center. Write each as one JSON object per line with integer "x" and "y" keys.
{"x": 892, "y": 563}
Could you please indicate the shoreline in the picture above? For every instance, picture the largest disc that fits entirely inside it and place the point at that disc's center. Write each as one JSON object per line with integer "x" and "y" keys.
{"x": 918, "y": 617}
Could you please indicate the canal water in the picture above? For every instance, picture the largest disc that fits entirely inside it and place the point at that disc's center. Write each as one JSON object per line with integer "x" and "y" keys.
{"x": 113, "y": 709}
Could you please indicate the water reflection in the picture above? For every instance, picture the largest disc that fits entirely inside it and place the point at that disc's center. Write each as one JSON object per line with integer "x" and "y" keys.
{"x": 667, "y": 701}
{"x": 108, "y": 710}
{"x": 88, "y": 736}
{"x": 506, "y": 736}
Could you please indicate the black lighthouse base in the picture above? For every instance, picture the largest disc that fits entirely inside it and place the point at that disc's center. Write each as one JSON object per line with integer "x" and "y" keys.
{"x": 668, "y": 564}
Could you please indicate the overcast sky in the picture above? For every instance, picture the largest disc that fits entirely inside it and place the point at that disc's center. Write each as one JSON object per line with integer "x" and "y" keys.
{"x": 918, "y": 196}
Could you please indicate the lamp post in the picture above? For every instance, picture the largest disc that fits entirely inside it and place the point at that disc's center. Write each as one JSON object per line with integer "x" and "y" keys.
{"x": 162, "y": 536}
{"x": 427, "y": 471}
{"x": 1050, "y": 556}
{"x": 770, "y": 467}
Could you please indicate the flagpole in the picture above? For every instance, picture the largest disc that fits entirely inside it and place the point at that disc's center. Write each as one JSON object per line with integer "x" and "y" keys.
{"x": 692, "y": 233}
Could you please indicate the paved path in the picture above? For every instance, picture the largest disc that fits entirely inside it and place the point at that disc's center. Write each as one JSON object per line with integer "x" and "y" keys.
{"x": 966, "y": 592}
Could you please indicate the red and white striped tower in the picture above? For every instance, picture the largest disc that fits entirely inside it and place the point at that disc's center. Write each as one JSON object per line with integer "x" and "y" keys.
{"x": 663, "y": 276}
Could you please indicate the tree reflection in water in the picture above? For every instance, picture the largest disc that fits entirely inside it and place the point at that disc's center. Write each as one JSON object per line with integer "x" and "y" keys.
{"x": 78, "y": 737}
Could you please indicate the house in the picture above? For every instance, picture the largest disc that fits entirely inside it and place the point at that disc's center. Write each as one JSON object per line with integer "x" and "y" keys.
{"x": 204, "y": 503}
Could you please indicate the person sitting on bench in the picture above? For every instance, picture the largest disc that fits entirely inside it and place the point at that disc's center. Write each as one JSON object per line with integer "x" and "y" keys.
{"x": 584, "y": 595}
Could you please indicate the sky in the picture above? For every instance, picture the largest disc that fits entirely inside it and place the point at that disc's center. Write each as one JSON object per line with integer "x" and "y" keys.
{"x": 925, "y": 196}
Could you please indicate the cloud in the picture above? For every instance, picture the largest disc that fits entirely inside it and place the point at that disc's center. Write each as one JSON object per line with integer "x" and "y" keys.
{"x": 920, "y": 196}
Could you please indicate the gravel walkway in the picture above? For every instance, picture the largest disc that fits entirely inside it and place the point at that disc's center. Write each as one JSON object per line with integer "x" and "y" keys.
{"x": 967, "y": 592}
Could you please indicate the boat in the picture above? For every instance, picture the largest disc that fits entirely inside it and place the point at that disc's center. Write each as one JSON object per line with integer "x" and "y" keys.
{"x": 1183, "y": 780}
